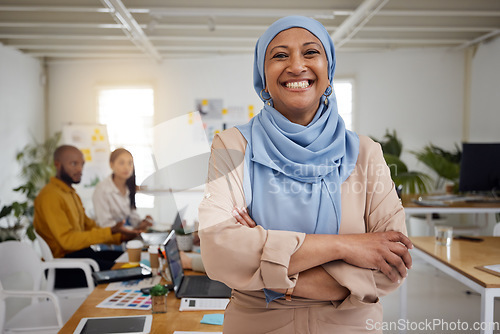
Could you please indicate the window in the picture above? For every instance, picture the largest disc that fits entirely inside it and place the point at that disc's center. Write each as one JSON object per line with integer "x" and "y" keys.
{"x": 128, "y": 113}
{"x": 343, "y": 91}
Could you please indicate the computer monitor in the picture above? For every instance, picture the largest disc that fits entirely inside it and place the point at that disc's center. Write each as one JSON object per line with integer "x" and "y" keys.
{"x": 480, "y": 167}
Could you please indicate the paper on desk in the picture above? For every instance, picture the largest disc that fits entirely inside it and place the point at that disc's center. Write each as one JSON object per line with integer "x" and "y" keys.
{"x": 136, "y": 284}
{"x": 493, "y": 267}
{"x": 205, "y": 304}
{"x": 213, "y": 319}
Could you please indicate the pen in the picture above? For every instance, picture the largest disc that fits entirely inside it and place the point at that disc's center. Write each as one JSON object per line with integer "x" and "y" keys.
{"x": 161, "y": 254}
{"x": 161, "y": 258}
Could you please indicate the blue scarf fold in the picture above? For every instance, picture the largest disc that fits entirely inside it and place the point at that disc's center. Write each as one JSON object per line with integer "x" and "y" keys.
{"x": 293, "y": 173}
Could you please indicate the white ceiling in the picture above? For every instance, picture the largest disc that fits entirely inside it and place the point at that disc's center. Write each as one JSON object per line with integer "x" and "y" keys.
{"x": 62, "y": 29}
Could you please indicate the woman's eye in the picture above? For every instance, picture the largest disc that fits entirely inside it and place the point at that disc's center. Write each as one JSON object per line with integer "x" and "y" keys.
{"x": 280, "y": 55}
{"x": 312, "y": 52}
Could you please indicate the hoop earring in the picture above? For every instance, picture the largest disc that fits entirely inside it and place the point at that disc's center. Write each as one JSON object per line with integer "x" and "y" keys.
{"x": 268, "y": 100}
{"x": 329, "y": 88}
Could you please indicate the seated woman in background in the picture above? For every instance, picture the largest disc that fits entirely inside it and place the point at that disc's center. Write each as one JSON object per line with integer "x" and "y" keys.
{"x": 114, "y": 197}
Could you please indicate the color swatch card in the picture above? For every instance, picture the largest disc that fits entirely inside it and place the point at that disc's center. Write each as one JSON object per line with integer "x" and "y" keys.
{"x": 127, "y": 299}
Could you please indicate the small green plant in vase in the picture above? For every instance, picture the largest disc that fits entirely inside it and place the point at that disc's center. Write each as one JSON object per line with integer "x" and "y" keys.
{"x": 159, "y": 298}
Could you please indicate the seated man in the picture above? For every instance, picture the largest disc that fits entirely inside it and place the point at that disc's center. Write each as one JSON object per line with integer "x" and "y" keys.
{"x": 61, "y": 221}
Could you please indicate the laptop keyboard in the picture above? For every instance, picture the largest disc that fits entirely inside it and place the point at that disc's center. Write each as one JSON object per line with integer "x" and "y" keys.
{"x": 198, "y": 284}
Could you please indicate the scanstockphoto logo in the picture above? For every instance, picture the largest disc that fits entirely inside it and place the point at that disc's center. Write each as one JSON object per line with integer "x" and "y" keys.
{"x": 432, "y": 326}
{"x": 368, "y": 176}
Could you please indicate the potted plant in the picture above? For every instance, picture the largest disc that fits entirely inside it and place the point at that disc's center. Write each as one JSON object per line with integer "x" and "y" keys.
{"x": 445, "y": 163}
{"x": 406, "y": 181}
{"x": 159, "y": 298}
{"x": 184, "y": 239}
{"x": 13, "y": 221}
{"x": 37, "y": 167}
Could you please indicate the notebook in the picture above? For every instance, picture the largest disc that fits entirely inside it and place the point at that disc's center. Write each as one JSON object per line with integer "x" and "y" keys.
{"x": 191, "y": 286}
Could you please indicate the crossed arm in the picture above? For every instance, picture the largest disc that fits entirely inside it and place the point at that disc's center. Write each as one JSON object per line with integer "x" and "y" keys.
{"x": 386, "y": 252}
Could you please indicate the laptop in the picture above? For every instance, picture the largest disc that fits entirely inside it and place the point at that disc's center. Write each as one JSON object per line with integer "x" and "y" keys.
{"x": 191, "y": 286}
{"x": 158, "y": 238}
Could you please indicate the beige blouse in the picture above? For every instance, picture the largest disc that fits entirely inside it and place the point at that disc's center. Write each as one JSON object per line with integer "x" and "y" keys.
{"x": 251, "y": 259}
{"x": 111, "y": 206}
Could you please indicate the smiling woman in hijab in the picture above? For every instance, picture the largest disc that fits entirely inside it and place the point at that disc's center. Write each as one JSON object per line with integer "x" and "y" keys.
{"x": 300, "y": 216}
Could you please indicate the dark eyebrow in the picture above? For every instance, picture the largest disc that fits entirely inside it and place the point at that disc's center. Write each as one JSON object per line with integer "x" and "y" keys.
{"x": 278, "y": 46}
{"x": 286, "y": 47}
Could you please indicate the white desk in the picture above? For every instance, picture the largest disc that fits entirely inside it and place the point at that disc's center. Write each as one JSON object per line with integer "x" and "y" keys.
{"x": 459, "y": 261}
{"x": 412, "y": 208}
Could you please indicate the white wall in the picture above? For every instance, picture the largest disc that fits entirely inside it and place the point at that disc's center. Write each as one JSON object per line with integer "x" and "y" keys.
{"x": 418, "y": 92}
{"x": 178, "y": 82}
{"x": 21, "y": 114}
{"x": 485, "y": 94}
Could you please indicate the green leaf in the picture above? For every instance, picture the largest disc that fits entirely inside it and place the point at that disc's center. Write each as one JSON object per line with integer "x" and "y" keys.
{"x": 6, "y": 210}
{"x": 413, "y": 182}
{"x": 391, "y": 143}
{"x": 30, "y": 232}
{"x": 395, "y": 165}
{"x": 158, "y": 290}
{"x": 446, "y": 164}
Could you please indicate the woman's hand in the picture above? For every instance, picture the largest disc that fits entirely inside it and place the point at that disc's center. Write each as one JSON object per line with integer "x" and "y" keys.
{"x": 144, "y": 225}
{"x": 316, "y": 283}
{"x": 186, "y": 261}
{"x": 243, "y": 217}
{"x": 383, "y": 251}
{"x": 126, "y": 233}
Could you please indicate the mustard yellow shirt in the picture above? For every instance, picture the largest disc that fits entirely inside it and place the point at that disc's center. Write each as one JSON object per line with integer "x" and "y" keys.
{"x": 61, "y": 220}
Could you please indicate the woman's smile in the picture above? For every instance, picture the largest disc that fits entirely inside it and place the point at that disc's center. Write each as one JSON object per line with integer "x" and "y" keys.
{"x": 298, "y": 85}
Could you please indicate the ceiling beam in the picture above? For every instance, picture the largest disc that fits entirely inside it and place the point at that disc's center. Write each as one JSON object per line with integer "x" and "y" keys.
{"x": 478, "y": 40}
{"x": 227, "y": 27}
{"x": 443, "y": 13}
{"x": 245, "y": 12}
{"x": 406, "y": 41}
{"x": 351, "y": 25}
{"x": 54, "y": 47}
{"x": 60, "y": 25}
{"x": 427, "y": 29}
{"x": 131, "y": 28}
{"x": 248, "y": 12}
{"x": 68, "y": 9}
{"x": 80, "y": 54}
{"x": 65, "y": 36}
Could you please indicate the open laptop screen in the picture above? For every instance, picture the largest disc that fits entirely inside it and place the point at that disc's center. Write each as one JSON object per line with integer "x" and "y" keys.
{"x": 174, "y": 260}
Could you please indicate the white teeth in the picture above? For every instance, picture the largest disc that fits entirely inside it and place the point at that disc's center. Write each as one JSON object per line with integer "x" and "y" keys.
{"x": 300, "y": 84}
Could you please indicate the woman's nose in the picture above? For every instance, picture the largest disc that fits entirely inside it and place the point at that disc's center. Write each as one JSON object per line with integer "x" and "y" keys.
{"x": 297, "y": 64}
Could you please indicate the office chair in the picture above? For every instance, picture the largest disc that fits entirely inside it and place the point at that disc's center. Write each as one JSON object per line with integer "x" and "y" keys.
{"x": 19, "y": 262}
{"x": 84, "y": 264}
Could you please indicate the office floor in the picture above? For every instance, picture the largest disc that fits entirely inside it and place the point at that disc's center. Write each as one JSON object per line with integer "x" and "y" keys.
{"x": 434, "y": 295}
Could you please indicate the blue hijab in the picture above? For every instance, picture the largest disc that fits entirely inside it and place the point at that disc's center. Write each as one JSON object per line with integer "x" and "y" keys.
{"x": 293, "y": 173}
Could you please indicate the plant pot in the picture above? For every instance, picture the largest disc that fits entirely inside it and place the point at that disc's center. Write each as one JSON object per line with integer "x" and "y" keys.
{"x": 159, "y": 304}
{"x": 185, "y": 242}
